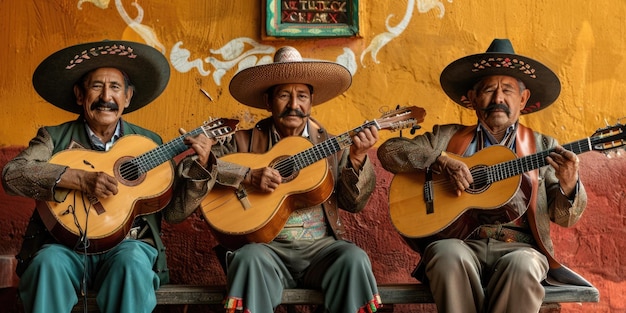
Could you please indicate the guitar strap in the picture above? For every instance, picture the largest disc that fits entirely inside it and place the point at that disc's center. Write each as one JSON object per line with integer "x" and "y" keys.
{"x": 524, "y": 145}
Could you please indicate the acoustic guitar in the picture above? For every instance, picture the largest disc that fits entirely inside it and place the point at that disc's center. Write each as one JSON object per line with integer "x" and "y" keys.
{"x": 145, "y": 177}
{"x": 242, "y": 215}
{"x": 424, "y": 204}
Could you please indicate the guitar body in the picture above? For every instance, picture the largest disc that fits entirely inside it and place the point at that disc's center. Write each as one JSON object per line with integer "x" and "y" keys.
{"x": 107, "y": 221}
{"x": 408, "y": 209}
{"x": 234, "y": 224}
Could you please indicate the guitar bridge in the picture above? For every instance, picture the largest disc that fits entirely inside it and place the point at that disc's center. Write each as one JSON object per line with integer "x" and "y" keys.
{"x": 242, "y": 196}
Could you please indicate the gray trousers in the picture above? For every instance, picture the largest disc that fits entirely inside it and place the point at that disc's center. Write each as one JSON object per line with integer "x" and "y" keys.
{"x": 258, "y": 273}
{"x": 485, "y": 275}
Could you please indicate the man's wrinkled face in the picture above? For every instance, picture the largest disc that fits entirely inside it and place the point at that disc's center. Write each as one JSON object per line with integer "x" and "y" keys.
{"x": 498, "y": 100}
{"x": 104, "y": 96}
{"x": 290, "y": 105}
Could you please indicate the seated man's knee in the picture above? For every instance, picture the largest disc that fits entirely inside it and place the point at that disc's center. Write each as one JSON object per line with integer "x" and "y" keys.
{"x": 53, "y": 256}
{"x": 448, "y": 252}
{"x": 250, "y": 253}
{"x": 527, "y": 260}
{"x": 133, "y": 254}
{"x": 352, "y": 254}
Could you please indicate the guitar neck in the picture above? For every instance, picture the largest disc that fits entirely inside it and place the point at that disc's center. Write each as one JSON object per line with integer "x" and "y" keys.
{"x": 320, "y": 151}
{"x": 531, "y": 162}
{"x": 168, "y": 151}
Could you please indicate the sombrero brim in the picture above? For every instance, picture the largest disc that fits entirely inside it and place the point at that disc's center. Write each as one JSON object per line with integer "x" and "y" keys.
{"x": 146, "y": 67}
{"x": 327, "y": 78}
{"x": 461, "y": 75}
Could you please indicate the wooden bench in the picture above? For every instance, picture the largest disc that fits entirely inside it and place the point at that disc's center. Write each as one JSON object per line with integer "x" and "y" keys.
{"x": 390, "y": 294}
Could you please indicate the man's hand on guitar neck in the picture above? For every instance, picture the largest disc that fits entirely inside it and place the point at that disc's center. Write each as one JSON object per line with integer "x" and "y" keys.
{"x": 565, "y": 164}
{"x": 201, "y": 144}
{"x": 457, "y": 172}
{"x": 361, "y": 143}
{"x": 265, "y": 179}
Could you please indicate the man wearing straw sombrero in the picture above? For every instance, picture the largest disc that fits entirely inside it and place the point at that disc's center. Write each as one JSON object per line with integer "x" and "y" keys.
{"x": 99, "y": 81}
{"x": 308, "y": 252}
{"x": 493, "y": 260}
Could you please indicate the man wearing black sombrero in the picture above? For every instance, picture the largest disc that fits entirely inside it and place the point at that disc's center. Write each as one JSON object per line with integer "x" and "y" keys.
{"x": 100, "y": 81}
{"x": 491, "y": 260}
{"x": 308, "y": 251}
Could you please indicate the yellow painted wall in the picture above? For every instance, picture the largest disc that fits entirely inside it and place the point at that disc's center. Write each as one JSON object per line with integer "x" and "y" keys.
{"x": 403, "y": 47}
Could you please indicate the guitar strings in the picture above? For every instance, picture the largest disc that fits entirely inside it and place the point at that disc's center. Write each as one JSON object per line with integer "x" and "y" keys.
{"x": 309, "y": 156}
{"x": 146, "y": 161}
{"x": 489, "y": 174}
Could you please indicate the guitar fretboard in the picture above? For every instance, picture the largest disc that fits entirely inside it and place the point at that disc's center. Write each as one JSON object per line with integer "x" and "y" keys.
{"x": 528, "y": 163}
{"x": 300, "y": 160}
{"x": 155, "y": 157}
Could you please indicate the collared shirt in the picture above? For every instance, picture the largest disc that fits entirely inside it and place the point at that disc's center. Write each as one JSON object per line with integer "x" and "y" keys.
{"x": 104, "y": 146}
{"x": 488, "y": 139}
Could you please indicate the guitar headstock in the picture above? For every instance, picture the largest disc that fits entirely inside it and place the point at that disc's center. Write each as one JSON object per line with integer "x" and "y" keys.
{"x": 401, "y": 118}
{"x": 220, "y": 128}
{"x": 609, "y": 139}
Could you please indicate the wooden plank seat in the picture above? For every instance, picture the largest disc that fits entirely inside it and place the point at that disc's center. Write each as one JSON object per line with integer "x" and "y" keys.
{"x": 390, "y": 293}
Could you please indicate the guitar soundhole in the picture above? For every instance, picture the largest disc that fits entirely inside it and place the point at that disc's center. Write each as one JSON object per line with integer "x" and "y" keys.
{"x": 286, "y": 167}
{"x": 481, "y": 180}
{"x": 128, "y": 172}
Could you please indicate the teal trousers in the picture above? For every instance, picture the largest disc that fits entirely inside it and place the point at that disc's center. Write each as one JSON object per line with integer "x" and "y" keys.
{"x": 122, "y": 278}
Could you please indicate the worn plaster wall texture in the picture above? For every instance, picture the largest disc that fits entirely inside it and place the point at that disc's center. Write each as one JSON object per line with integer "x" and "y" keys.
{"x": 396, "y": 60}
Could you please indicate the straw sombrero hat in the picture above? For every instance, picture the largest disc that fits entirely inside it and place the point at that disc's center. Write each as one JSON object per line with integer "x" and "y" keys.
{"x": 146, "y": 67}
{"x": 500, "y": 59}
{"x": 327, "y": 78}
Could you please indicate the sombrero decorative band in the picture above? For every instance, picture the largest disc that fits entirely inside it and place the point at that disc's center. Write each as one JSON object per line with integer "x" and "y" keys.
{"x": 500, "y": 59}
{"x": 505, "y": 62}
{"x": 147, "y": 69}
{"x": 119, "y": 50}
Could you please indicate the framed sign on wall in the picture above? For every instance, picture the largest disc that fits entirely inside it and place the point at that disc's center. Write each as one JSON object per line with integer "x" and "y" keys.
{"x": 311, "y": 18}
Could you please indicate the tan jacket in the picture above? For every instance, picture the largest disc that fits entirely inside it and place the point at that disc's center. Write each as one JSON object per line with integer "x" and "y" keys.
{"x": 403, "y": 155}
{"x": 352, "y": 190}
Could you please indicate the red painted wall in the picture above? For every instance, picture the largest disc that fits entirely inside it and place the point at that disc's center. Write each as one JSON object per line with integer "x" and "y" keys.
{"x": 594, "y": 247}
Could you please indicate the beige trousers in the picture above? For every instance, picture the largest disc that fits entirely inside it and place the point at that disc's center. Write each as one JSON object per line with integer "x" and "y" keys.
{"x": 485, "y": 275}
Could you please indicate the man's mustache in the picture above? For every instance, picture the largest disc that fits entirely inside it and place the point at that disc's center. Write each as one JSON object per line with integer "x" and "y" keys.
{"x": 293, "y": 112}
{"x": 496, "y": 106}
{"x": 107, "y": 105}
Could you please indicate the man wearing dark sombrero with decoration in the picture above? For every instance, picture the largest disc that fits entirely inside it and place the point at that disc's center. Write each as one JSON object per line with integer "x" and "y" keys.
{"x": 493, "y": 260}
{"x": 100, "y": 81}
{"x": 308, "y": 252}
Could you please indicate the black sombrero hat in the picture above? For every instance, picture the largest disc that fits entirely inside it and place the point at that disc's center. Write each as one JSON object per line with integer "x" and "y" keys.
{"x": 327, "y": 78}
{"x": 146, "y": 67}
{"x": 500, "y": 59}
